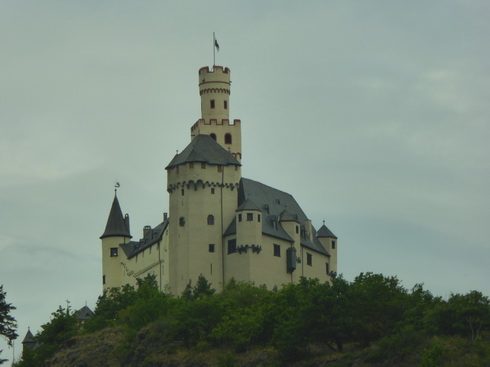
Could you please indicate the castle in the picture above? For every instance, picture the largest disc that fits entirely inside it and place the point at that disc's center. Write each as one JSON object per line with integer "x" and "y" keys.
{"x": 220, "y": 225}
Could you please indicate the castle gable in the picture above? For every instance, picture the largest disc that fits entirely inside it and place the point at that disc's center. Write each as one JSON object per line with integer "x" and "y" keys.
{"x": 274, "y": 204}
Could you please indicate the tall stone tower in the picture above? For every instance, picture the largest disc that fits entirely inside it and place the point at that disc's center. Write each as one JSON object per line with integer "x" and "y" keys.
{"x": 202, "y": 182}
{"x": 116, "y": 233}
{"x": 214, "y": 89}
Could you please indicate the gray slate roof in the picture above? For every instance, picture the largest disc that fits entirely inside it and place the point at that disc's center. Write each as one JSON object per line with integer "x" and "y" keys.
{"x": 133, "y": 248}
{"x": 29, "y": 338}
{"x": 84, "y": 313}
{"x": 249, "y": 205}
{"x": 272, "y": 203}
{"x": 204, "y": 149}
{"x": 325, "y": 232}
{"x": 116, "y": 224}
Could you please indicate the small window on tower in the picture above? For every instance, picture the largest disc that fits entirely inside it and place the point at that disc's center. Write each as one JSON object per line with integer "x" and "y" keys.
{"x": 225, "y": 104}
{"x": 228, "y": 138}
{"x": 250, "y": 217}
{"x": 239, "y": 217}
{"x": 213, "y": 135}
{"x": 277, "y": 250}
{"x": 212, "y": 190}
{"x": 258, "y": 218}
{"x": 211, "y": 219}
{"x": 181, "y": 221}
{"x": 211, "y": 247}
{"x": 333, "y": 245}
{"x": 114, "y": 251}
{"x": 211, "y": 103}
{"x": 327, "y": 269}
{"x": 231, "y": 246}
{"x": 203, "y": 165}
{"x": 309, "y": 259}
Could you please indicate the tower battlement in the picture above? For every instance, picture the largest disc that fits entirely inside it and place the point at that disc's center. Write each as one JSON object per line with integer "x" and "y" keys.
{"x": 215, "y": 122}
{"x": 216, "y": 71}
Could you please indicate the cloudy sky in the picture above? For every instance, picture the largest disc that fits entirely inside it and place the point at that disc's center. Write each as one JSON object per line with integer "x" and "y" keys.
{"x": 373, "y": 114}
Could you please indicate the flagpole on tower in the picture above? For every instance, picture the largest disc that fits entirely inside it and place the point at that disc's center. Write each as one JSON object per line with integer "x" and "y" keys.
{"x": 215, "y": 47}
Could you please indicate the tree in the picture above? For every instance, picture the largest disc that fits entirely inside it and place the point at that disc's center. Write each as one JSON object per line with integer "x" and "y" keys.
{"x": 8, "y": 325}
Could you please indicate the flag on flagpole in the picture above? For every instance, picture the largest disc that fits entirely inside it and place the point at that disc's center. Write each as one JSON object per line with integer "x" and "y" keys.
{"x": 216, "y": 44}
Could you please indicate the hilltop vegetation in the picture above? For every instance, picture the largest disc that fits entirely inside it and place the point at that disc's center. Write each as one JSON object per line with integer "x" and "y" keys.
{"x": 372, "y": 321}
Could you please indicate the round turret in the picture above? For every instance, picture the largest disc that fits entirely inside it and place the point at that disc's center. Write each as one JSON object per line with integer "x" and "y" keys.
{"x": 214, "y": 89}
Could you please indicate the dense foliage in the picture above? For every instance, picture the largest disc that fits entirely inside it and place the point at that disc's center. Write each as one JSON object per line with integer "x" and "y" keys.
{"x": 8, "y": 324}
{"x": 373, "y": 309}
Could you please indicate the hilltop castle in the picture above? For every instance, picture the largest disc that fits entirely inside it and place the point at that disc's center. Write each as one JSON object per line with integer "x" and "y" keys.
{"x": 220, "y": 224}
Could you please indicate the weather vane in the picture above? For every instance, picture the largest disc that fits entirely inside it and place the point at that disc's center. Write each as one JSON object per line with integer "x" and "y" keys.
{"x": 116, "y": 185}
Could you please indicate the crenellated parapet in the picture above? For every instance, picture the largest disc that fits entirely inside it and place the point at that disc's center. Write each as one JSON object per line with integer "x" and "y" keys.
{"x": 214, "y": 122}
{"x": 196, "y": 185}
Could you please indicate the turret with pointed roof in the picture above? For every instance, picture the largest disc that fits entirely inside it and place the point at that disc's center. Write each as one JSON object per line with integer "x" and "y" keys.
{"x": 117, "y": 225}
{"x": 116, "y": 233}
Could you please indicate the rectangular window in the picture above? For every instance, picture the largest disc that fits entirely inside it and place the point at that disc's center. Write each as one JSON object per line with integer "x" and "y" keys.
{"x": 212, "y": 190}
{"x": 258, "y": 217}
{"x": 239, "y": 217}
{"x": 211, "y": 103}
{"x": 103, "y": 279}
{"x": 309, "y": 259}
{"x": 297, "y": 229}
{"x": 225, "y": 104}
{"x": 231, "y": 246}
{"x": 181, "y": 221}
{"x": 114, "y": 251}
{"x": 211, "y": 247}
{"x": 333, "y": 245}
{"x": 219, "y": 169}
{"x": 277, "y": 250}
{"x": 327, "y": 268}
{"x": 182, "y": 192}
{"x": 250, "y": 217}
{"x": 203, "y": 165}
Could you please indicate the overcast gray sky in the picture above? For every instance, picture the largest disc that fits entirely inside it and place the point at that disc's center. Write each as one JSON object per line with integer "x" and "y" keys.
{"x": 373, "y": 114}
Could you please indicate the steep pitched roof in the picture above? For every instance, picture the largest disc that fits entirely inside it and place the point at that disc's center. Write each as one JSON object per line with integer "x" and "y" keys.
{"x": 273, "y": 203}
{"x": 325, "y": 232}
{"x": 29, "y": 338}
{"x": 84, "y": 313}
{"x": 204, "y": 149}
{"x": 117, "y": 225}
{"x": 248, "y": 205}
{"x": 132, "y": 248}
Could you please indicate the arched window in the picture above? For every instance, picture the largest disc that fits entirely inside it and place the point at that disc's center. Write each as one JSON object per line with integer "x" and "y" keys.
{"x": 211, "y": 219}
{"x": 227, "y": 138}
{"x": 213, "y": 135}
